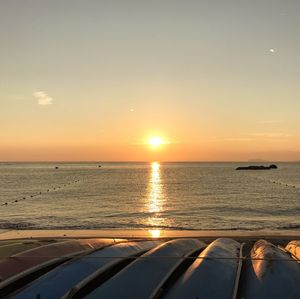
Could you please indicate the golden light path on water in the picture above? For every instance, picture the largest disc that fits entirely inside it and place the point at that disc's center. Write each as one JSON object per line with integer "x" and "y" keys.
{"x": 156, "y": 200}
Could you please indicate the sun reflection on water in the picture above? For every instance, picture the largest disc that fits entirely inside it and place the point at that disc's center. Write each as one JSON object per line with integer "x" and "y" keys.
{"x": 156, "y": 200}
{"x": 154, "y": 233}
{"x": 155, "y": 195}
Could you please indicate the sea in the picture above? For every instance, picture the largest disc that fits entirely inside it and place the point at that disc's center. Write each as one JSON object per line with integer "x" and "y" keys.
{"x": 177, "y": 196}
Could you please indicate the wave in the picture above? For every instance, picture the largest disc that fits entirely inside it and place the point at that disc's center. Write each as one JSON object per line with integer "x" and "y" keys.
{"x": 124, "y": 226}
{"x": 290, "y": 226}
{"x": 17, "y": 226}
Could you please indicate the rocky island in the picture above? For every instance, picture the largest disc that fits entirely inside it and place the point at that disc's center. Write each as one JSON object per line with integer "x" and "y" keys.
{"x": 257, "y": 167}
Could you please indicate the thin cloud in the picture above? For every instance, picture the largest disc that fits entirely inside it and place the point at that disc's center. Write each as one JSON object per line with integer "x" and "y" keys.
{"x": 269, "y": 121}
{"x": 43, "y": 98}
{"x": 266, "y": 134}
{"x": 240, "y": 139}
{"x": 256, "y": 137}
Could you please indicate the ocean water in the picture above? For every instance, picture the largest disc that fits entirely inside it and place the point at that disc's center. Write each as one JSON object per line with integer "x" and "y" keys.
{"x": 196, "y": 196}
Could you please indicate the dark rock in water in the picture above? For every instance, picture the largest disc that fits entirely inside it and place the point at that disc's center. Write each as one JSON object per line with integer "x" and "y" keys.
{"x": 273, "y": 166}
{"x": 257, "y": 167}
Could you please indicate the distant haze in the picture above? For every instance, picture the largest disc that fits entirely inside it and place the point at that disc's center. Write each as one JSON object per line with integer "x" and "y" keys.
{"x": 94, "y": 80}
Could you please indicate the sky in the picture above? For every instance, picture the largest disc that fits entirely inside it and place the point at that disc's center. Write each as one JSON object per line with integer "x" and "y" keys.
{"x": 94, "y": 80}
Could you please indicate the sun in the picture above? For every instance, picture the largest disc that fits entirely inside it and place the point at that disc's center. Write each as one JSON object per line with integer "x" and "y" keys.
{"x": 155, "y": 142}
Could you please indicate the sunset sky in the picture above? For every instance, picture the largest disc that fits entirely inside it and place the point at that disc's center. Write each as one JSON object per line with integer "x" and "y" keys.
{"x": 96, "y": 80}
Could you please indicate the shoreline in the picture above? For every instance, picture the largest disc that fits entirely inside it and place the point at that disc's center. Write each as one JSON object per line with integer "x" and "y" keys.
{"x": 146, "y": 234}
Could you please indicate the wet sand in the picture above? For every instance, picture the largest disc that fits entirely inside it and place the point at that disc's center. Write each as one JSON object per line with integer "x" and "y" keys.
{"x": 277, "y": 237}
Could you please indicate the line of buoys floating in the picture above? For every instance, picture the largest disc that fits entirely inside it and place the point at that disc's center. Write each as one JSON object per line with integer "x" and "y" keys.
{"x": 40, "y": 193}
{"x": 287, "y": 185}
{"x": 278, "y": 183}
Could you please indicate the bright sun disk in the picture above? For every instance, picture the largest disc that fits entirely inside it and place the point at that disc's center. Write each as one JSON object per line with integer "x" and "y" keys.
{"x": 155, "y": 142}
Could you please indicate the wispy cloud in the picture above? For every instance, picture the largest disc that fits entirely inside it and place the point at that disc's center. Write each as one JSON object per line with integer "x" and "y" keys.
{"x": 277, "y": 136}
{"x": 272, "y": 135}
{"x": 269, "y": 121}
{"x": 43, "y": 98}
{"x": 239, "y": 139}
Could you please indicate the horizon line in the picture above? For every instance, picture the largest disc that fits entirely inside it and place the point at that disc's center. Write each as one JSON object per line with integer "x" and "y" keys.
{"x": 165, "y": 161}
